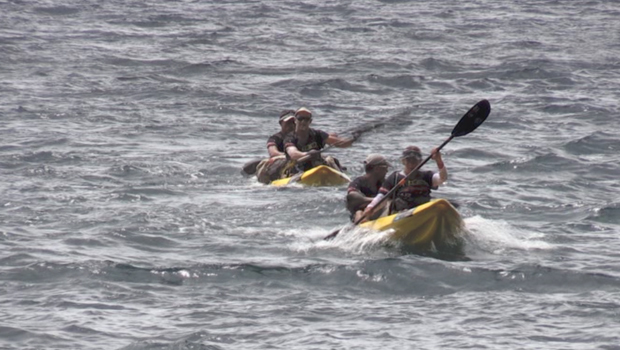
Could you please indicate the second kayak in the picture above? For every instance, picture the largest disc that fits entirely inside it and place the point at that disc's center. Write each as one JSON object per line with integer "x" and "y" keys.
{"x": 321, "y": 175}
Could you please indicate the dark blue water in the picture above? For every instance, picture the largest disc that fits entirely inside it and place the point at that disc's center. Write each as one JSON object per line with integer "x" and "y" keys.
{"x": 125, "y": 223}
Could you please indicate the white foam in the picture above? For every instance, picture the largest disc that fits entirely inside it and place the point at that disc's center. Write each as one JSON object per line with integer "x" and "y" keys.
{"x": 356, "y": 240}
{"x": 498, "y": 235}
{"x": 493, "y": 236}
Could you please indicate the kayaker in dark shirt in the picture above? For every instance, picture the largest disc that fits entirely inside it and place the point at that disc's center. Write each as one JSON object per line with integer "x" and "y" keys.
{"x": 271, "y": 169}
{"x": 301, "y": 143}
{"x": 275, "y": 143}
{"x": 416, "y": 190}
{"x": 363, "y": 189}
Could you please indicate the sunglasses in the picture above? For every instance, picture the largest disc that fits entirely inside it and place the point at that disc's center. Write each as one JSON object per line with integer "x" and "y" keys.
{"x": 304, "y": 118}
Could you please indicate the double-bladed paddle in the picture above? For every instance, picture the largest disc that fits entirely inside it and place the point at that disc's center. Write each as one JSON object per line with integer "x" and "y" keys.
{"x": 249, "y": 168}
{"x": 468, "y": 123}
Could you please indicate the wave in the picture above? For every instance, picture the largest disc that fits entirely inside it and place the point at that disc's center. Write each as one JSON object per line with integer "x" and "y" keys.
{"x": 596, "y": 143}
{"x": 397, "y": 81}
{"x": 437, "y": 64}
{"x": 549, "y": 161}
{"x": 57, "y": 10}
{"x": 494, "y": 236}
{"x": 607, "y": 214}
{"x": 203, "y": 340}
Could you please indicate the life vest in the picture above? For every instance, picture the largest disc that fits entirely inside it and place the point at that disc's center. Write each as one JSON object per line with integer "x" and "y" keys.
{"x": 415, "y": 191}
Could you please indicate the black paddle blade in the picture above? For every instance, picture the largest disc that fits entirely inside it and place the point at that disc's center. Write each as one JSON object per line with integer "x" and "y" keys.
{"x": 249, "y": 168}
{"x": 331, "y": 236}
{"x": 472, "y": 119}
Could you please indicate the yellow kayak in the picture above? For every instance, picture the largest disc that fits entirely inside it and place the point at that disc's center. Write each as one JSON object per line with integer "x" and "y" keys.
{"x": 321, "y": 175}
{"x": 435, "y": 224}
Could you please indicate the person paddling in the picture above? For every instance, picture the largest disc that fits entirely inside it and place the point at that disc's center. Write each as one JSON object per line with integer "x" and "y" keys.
{"x": 271, "y": 169}
{"x": 417, "y": 189}
{"x": 363, "y": 189}
{"x": 305, "y": 141}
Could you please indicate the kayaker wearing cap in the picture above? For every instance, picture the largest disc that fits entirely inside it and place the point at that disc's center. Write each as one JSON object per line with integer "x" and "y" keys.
{"x": 417, "y": 189}
{"x": 275, "y": 144}
{"x": 304, "y": 140}
{"x": 363, "y": 189}
{"x": 271, "y": 169}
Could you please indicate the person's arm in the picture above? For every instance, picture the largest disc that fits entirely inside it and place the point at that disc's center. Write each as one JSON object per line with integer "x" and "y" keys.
{"x": 374, "y": 202}
{"x": 290, "y": 147}
{"x": 273, "y": 151}
{"x": 337, "y": 141}
{"x": 441, "y": 176}
{"x": 357, "y": 201}
{"x": 272, "y": 146}
{"x": 294, "y": 153}
{"x": 383, "y": 190}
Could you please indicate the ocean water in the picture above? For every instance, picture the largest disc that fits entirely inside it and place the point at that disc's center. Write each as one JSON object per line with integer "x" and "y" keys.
{"x": 125, "y": 222}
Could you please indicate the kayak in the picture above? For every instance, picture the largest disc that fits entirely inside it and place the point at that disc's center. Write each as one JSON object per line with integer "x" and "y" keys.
{"x": 433, "y": 225}
{"x": 321, "y": 175}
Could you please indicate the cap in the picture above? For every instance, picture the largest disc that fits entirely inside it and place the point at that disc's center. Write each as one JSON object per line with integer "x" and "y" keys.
{"x": 303, "y": 111}
{"x": 286, "y": 115}
{"x": 412, "y": 152}
{"x": 376, "y": 159}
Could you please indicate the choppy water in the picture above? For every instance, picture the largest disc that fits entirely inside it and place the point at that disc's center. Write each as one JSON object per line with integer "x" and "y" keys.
{"x": 125, "y": 224}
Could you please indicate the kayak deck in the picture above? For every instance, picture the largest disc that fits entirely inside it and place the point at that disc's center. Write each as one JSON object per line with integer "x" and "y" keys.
{"x": 436, "y": 224}
{"x": 321, "y": 175}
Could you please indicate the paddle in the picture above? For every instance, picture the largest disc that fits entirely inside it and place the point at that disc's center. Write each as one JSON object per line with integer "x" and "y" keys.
{"x": 249, "y": 168}
{"x": 468, "y": 123}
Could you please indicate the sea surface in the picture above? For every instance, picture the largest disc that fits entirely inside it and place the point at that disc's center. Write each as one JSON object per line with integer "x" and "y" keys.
{"x": 125, "y": 222}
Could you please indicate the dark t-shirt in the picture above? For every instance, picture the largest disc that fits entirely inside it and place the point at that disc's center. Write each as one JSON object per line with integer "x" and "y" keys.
{"x": 277, "y": 140}
{"x": 416, "y": 191}
{"x": 364, "y": 186}
{"x": 316, "y": 140}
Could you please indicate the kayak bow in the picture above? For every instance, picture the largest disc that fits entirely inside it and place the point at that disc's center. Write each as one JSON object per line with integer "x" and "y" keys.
{"x": 436, "y": 224}
{"x": 321, "y": 175}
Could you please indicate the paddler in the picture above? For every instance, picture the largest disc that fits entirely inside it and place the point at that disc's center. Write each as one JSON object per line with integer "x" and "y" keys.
{"x": 304, "y": 142}
{"x": 417, "y": 189}
{"x": 364, "y": 188}
{"x": 271, "y": 169}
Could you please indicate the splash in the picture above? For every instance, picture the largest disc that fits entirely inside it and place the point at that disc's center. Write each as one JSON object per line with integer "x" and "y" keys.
{"x": 497, "y": 235}
{"x": 356, "y": 240}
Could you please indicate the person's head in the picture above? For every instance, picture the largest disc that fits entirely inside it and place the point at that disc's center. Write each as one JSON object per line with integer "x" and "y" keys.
{"x": 303, "y": 118}
{"x": 376, "y": 165}
{"x": 287, "y": 120}
{"x": 411, "y": 157}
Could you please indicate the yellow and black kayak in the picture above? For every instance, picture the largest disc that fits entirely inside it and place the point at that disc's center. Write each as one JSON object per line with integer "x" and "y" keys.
{"x": 321, "y": 175}
{"x": 436, "y": 224}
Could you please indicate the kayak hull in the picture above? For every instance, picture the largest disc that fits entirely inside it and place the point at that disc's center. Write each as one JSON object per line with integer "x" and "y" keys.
{"x": 433, "y": 225}
{"x": 321, "y": 175}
